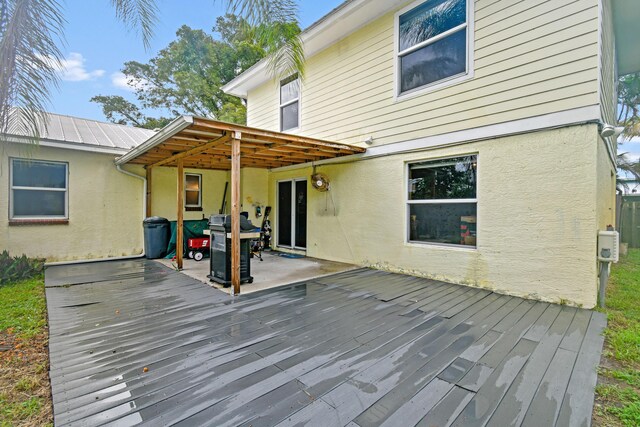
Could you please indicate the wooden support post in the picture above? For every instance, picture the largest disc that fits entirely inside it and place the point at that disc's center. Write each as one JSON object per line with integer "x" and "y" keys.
{"x": 180, "y": 219}
{"x": 235, "y": 212}
{"x": 149, "y": 177}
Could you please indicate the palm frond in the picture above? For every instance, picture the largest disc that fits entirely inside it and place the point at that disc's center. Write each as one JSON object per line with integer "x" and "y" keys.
{"x": 277, "y": 28}
{"x": 629, "y": 105}
{"x": 138, "y": 15}
{"x": 625, "y": 165}
{"x": 30, "y": 31}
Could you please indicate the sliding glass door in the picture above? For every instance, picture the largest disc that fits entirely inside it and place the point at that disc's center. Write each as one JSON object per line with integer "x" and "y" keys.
{"x": 292, "y": 214}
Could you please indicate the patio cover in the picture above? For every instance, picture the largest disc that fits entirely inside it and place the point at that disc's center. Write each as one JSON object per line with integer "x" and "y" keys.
{"x": 201, "y": 143}
{"x": 206, "y": 144}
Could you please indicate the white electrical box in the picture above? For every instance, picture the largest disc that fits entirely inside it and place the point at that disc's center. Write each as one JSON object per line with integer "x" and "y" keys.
{"x": 608, "y": 244}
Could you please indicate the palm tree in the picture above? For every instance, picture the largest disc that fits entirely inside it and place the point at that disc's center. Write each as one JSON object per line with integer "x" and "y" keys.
{"x": 31, "y": 32}
{"x": 629, "y": 105}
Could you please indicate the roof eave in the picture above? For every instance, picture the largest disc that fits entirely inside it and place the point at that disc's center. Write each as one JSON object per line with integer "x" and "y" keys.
{"x": 171, "y": 129}
{"x": 345, "y": 19}
{"x": 626, "y": 15}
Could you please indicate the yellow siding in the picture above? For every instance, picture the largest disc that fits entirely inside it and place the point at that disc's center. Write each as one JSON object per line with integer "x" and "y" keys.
{"x": 530, "y": 58}
{"x": 536, "y": 218}
{"x": 608, "y": 76}
{"x": 105, "y": 209}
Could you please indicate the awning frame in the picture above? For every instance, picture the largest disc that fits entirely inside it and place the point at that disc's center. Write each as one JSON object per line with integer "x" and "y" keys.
{"x": 201, "y": 143}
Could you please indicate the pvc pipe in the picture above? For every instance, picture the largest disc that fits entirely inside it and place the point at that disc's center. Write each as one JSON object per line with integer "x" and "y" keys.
{"x": 604, "y": 278}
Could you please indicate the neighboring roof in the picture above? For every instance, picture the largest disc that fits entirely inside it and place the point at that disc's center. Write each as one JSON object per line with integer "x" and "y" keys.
{"x": 206, "y": 144}
{"x": 626, "y": 15}
{"x": 336, "y": 25}
{"x": 84, "y": 134}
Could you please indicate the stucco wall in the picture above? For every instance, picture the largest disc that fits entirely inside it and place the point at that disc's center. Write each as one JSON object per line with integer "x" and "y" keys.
{"x": 253, "y": 190}
{"x": 105, "y": 209}
{"x": 537, "y": 216}
{"x": 530, "y": 58}
{"x": 606, "y": 190}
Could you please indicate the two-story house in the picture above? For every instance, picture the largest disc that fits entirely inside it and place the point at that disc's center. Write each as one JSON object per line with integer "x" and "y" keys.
{"x": 482, "y": 119}
{"x": 485, "y": 161}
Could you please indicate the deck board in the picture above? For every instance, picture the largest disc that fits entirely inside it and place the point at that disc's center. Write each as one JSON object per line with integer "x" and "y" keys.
{"x": 358, "y": 348}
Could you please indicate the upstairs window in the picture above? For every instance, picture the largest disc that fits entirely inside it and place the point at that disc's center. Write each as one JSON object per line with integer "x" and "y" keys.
{"x": 442, "y": 203}
{"x": 289, "y": 103}
{"x": 193, "y": 191}
{"x": 433, "y": 44}
{"x": 38, "y": 190}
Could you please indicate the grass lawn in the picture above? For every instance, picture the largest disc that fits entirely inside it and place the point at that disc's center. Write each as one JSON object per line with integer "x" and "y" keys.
{"x": 25, "y": 392}
{"x": 618, "y": 390}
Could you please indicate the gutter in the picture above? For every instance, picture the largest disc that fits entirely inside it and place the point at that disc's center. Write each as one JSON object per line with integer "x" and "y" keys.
{"x": 144, "y": 198}
{"x": 171, "y": 129}
{"x": 609, "y": 146}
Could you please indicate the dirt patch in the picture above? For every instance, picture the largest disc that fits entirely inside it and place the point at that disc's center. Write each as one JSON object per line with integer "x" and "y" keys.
{"x": 25, "y": 389}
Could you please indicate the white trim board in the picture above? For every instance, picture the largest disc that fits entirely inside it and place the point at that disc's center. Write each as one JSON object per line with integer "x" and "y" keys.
{"x": 590, "y": 114}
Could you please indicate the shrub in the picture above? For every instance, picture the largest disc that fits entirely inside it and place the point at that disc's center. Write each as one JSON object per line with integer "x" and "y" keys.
{"x": 17, "y": 268}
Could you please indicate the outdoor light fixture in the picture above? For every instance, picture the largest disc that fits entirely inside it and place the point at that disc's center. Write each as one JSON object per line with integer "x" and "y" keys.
{"x": 610, "y": 130}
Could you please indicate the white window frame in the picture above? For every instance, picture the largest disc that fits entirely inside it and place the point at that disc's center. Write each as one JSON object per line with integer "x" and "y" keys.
{"x": 282, "y": 105}
{"x": 12, "y": 188}
{"x": 409, "y": 202}
{"x": 440, "y": 84}
{"x": 199, "y": 205}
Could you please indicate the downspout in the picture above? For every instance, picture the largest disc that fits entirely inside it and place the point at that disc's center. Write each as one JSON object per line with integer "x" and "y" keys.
{"x": 144, "y": 199}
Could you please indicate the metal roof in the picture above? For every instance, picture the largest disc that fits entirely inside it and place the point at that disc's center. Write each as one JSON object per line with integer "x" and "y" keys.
{"x": 85, "y": 134}
{"x": 206, "y": 144}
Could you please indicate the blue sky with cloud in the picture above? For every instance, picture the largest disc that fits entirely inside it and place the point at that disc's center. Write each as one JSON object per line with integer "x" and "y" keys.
{"x": 97, "y": 46}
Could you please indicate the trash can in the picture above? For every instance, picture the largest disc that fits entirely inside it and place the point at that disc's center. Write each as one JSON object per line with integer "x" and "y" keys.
{"x": 156, "y": 236}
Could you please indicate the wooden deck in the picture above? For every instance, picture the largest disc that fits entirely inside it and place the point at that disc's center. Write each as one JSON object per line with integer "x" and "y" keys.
{"x": 133, "y": 342}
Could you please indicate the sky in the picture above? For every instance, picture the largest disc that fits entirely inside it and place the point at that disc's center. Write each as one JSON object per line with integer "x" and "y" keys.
{"x": 97, "y": 46}
{"x": 632, "y": 148}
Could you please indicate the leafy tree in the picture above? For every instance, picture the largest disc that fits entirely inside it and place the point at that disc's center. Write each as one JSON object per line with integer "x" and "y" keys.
{"x": 186, "y": 76}
{"x": 629, "y": 118}
{"x": 118, "y": 110}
